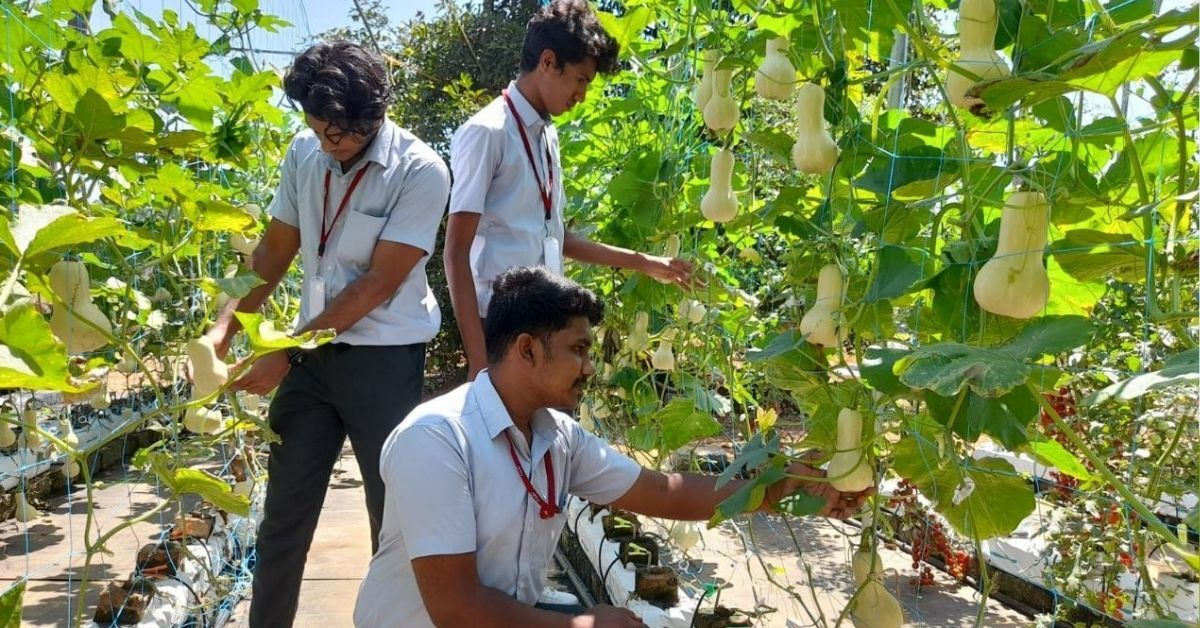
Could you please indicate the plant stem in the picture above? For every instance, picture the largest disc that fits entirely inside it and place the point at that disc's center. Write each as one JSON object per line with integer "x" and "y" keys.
{"x": 1131, "y": 500}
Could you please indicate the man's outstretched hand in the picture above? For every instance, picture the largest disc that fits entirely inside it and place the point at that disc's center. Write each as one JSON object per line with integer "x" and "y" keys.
{"x": 838, "y": 505}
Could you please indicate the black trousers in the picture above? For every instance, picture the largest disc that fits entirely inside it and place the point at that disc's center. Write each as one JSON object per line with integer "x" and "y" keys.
{"x": 339, "y": 390}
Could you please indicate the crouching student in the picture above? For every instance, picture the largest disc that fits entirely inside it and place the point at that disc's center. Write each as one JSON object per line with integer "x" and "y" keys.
{"x": 477, "y": 478}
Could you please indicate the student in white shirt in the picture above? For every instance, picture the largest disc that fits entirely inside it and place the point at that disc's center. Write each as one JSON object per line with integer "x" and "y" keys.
{"x": 506, "y": 204}
{"x": 467, "y": 533}
{"x": 360, "y": 199}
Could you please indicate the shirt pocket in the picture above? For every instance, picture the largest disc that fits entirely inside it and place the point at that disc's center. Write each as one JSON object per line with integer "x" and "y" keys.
{"x": 360, "y": 233}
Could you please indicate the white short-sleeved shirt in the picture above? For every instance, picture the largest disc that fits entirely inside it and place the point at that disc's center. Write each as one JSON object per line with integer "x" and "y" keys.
{"x": 493, "y": 178}
{"x": 452, "y": 488}
{"x": 401, "y": 198}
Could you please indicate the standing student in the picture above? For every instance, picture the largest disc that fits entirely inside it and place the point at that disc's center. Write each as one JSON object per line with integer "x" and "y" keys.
{"x": 360, "y": 199}
{"x": 491, "y": 465}
{"x": 506, "y": 206}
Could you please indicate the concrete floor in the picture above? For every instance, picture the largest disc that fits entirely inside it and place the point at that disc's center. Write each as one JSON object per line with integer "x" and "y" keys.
{"x": 49, "y": 550}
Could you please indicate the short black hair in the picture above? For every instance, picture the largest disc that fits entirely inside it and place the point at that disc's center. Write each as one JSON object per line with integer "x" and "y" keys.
{"x": 340, "y": 83}
{"x": 532, "y": 300}
{"x": 571, "y": 30}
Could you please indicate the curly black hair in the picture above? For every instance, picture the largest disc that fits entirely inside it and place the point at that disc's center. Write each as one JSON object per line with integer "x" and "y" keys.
{"x": 340, "y": 83}
{"x": 571, "y": 30}
{"x": 532, "y": 300}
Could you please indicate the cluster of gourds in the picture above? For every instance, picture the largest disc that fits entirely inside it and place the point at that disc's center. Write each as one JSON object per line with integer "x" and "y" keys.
{"x": 1013, "y": 282}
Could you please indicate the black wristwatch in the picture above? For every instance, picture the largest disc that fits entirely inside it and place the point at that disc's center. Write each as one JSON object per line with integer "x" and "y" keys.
{"x": 295, "y": 355}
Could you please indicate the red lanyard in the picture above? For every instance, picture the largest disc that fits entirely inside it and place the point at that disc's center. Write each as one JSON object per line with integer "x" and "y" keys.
{"x": 548, "y": 507}
{"x": 546, "y": 191}
{"x": 326, "y": 231}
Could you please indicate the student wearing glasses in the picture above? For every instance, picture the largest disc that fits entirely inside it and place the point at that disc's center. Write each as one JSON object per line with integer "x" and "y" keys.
{"x": 360, "y": 199}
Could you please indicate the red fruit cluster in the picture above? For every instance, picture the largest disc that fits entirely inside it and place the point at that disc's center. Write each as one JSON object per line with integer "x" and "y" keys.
{"x": 928, "y": 537}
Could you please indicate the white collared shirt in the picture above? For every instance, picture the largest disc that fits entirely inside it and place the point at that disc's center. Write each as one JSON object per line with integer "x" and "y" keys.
{"x": 452, "y": 488}
{"x": 401, "y": 198}
{"x": 493, "y": 177}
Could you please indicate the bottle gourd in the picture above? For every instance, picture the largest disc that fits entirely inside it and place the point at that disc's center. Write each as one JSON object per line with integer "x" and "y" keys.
{"x": 69, "y": 280}
{"x": 848, "y": 469}
{"x": 818, "y": 326}
{"x": 720, "y": 203}
{"x": 866, "y": 564}
{"x": 208, "y": 371}
{"x": 1014, "y": 282}
{"x": 721, "y": 111}
{"x": 639, "y": 338}
{"x": 776, "y": 76}
{"x": 977, "y": 22}
{"x": 876, "y": 608}
{"x": 663, "y": 359}
{"x": 814, "y": 152}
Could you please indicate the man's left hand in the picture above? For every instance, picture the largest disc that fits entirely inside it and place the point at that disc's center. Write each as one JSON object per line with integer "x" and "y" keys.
{"x": 265, "y": 374}
{"x": 838, "y": 505}
{"x": 668, "y": 270}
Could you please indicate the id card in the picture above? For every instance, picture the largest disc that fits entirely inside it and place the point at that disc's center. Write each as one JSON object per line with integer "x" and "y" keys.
{"x": 552, "y": 254}
{"x": 314, "y": 297}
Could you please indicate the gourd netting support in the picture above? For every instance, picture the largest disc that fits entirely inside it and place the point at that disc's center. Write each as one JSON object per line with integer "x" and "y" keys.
{"x": 681, "y": 122}
{"x": 139, "y": 407}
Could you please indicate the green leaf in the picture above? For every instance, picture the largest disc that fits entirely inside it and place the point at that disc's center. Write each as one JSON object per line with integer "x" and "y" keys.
{"x": 877, "y": 368}
{"x": 681, "y": 423}
{"x": 1087, "y": 258}
{"x": 1002, "y": 418}
{"x": 218, "y": 215}
{"x": 748, "y": 497}
{"x": 210, "y": 488}
{"x": 914, "y": 163}
{"x": 1178, "y": 370}
{"x": 239, "y": 285}
{"x": 264, "y": 338}
{"x": 999, "y": 502}
{"x": 776, "y": 143}
{"x": 10, "y": 605}
{"x": 1052, "y": 454}
{"x": 898, "y": 270}
{"x": 1050, "y": 335}
{"x": 946, "y": 367}
{"x": 801, "y": 504}
{"x": 30, "y": 355}
{"x": 95, "y": 117}
{"x": 42, "y": 228}
{"x": 627, "y": 28}
{"x": 753, "y": 455}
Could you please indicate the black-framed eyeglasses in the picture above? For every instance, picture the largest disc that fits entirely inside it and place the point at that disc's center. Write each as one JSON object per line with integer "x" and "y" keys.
{"x": 336, "y": 137}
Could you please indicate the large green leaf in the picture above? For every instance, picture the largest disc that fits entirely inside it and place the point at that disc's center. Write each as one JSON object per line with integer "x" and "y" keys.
{"x": 1178, "y": 370}
{"x": 945, "y": 368}
{"x": 210, "y": 488}
{"x": 1052, "y": 454}
{"x": 877, "y": 369}
{"x": 1097, "y": 256}
{"x": 95, "y": 118}
{"x": 1003, "y": 418}
{"x": 681, "y": 422}
{"x": 898, "y": 270}
{"x": 43, "y": 228}
{"x": 191, "y": 480}
{"x": 10, "y": 605}
{"x": 910, "y": 164}
{"x": 996, "y": 505}
{"x": 264, "y": 338}
{"x": 982, "y": 498}
{"x": 30, "y": 355}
